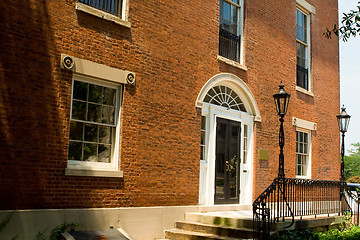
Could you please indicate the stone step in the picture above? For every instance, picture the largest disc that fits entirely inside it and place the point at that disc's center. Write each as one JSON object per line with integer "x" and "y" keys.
{"x": 215, "y": 229}
{"x": 178, "y": 234}
{"x": 233, "y": 219}
{"x": 240, "y": 219}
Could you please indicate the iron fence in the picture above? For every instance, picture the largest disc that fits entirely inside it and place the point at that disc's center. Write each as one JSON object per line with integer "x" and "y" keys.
{"x": 287, "y": 198}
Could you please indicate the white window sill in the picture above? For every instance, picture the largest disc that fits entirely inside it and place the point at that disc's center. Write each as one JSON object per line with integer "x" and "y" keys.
{"x": 302, "y": 90}
{"x": 231, "y": 62}
{"x": 93, "y": 173}
{"x": 101, "y": 14}
{"x": 302, "y": 177}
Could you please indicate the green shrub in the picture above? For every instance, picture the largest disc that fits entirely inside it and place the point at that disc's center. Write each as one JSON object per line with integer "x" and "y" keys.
{"x": 303, "y": 234}
{"x": 352, "y": 233}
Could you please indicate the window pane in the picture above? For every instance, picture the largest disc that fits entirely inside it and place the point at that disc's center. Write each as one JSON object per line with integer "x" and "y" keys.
{"x": 78, "y": 110}
{"x": 75, "y": 149}
{"x": 104, "y": 134}
{"x": 104, "y": 153}
{"x": 90, "y": 152}
{"x": 226, "y": 11}
{"x": 94, "y": 113}
{"x": 203, "y": 122}
{"x": 109, "y": 96}
{"x": 202, "y": 153}
{"x": 108, "y": 115}
{"x": 80, "y": 90}
{"x": 95, "y": 93}
{"x": 76, "y": 130}
{"x": 91, "y": 133}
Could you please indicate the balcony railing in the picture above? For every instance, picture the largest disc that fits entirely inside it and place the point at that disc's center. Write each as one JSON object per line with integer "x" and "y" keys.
{"x": 302, "y": 77}
{"x": 229, "y": 45}
{"x": 109, "y": 6}
{"x": 287, "y": 198}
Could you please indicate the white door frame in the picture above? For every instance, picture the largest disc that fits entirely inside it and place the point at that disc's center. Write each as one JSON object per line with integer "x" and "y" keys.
{"x": 207, "y": 167}
{"x": 211, "y": 112}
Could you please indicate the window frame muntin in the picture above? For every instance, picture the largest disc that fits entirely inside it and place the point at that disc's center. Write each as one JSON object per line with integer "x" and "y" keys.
{"x": 115, "y": 148}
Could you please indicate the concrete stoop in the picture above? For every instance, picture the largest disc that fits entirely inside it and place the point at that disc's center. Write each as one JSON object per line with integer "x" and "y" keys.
{"x": 230, "y": 225}
{"x": 208, "y": 226}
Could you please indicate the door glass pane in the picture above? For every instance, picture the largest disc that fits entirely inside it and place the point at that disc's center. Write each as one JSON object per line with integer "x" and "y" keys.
{"x": 220, "y": 160}
{"x": 233, "y": 160}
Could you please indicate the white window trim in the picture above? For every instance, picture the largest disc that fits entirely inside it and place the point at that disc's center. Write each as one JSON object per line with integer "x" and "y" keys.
{"x": 308, "y": 164}
{"x": 83, "y": 168}
{"x": 308, "y": 48}
{"x": 306, "y": 127}
{"x": 123, "y": 20}
{"x": 305, "y": 6}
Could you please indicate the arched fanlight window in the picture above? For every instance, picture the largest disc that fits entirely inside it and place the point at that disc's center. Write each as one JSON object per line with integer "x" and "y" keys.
{"x": 225, "y": 97}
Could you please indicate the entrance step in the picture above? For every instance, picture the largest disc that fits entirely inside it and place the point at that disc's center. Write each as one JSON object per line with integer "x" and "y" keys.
{"x": 234, "y": 219}
{"x": 215, "y": 229}
{"x": 178, "y": 234}
{"x": 229, "y": 225}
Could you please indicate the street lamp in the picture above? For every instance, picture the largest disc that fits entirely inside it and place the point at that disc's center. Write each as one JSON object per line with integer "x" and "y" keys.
{"x": 343, "y": 121}
{"x": 281, "y": 101}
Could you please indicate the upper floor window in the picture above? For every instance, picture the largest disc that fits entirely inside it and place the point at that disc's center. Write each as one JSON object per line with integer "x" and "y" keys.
{"x": 230, "y": 29}
{"x": 114, "y": 7}
{"x": 302, "y": 49}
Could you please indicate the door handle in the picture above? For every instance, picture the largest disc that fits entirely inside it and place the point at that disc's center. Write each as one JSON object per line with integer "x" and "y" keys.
{"x": 227, "y": 166}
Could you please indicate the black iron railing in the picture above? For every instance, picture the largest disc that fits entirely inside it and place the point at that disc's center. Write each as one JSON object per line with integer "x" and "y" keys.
{"x": 352, "y": 196}
{"x": 110, "y": 6}
{"x": 287, "y": 198}
{"x": 229, "y": 45}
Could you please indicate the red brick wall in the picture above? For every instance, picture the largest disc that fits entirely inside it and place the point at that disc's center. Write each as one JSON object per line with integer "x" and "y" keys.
{"x": 172, "y": 46}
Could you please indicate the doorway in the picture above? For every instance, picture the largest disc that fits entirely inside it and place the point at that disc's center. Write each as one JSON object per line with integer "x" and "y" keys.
{"x": 227, "y": 161}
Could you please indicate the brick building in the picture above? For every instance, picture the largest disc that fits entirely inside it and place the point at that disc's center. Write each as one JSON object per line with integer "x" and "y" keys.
{"x": 129, "y": 103}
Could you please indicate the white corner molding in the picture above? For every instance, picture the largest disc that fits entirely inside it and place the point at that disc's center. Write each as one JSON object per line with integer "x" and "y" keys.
{"x": 97, "y": 70}
{"x": 300, "y": 123}
{"x": 101, "y": 14}
{"x": 305, "y": 6}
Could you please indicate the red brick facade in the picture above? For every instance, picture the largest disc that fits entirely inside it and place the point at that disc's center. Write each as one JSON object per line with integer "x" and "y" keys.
{"x": 172, "y": 46}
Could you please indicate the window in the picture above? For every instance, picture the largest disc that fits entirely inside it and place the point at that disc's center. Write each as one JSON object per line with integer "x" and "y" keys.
{"x": 225, "y": 97}
{"x": 302, "y": 49}
{"x": 203, "y": 138}
{"x": 245, "y": 144}
{"x": 114, "y": 7}
{"x": 302, "y": 154}
{"x": 94, "y": 127}
{"x": 230, "y": 29}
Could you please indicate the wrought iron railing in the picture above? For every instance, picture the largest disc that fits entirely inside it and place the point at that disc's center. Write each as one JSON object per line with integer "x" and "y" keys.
{"x": 352, "y": 195}
{"x": 110, "y": 6}
{"x": 229, "y": 45}
{"x": 287, "y": 198}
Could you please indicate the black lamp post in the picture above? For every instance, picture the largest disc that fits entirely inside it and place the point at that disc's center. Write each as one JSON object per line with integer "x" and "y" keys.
{"x": 281, "y": 101}
{"x": 343, "y": 121}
